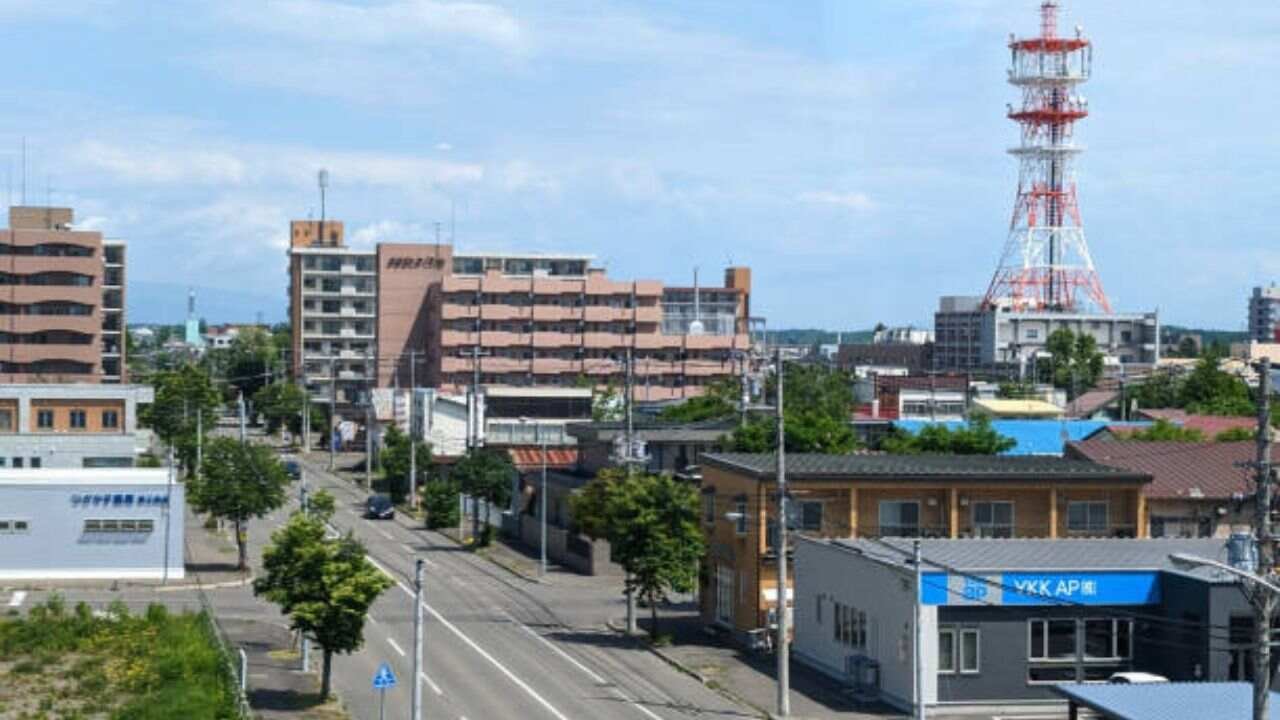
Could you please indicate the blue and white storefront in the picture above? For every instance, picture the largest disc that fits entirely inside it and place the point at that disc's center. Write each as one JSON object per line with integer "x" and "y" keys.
{"x": 1003, "y": 620}
{"x": 100, "y": 524}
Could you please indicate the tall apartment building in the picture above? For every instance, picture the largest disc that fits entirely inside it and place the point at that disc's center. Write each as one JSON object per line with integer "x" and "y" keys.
{"x": 506, "y": 319}
{"x": 63, "y": 304}
{"x": 1264, "y": 314}
{"x": 333, "y": 310}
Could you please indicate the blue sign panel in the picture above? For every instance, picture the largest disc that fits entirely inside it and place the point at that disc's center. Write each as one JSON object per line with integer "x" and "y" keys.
{"x": 384, "y": 678}
{"x": 1042, "y": 588}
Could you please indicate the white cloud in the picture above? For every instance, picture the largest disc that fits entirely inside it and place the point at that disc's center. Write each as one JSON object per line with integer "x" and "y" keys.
{"x": 380, "y": 231}
{"x": 242, "y": 164}
{"x": 377, "y": 24}
{"x": 521, "y": 175}
{"x": 444, "y": 147}
{"x": 852, "y": 200}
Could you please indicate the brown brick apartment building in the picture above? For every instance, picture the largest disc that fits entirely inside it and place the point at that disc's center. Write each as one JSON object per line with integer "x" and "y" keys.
{"x": 62, "y": 316}
{"x": 516, "y": 319}
{"x": 851, "y": 496}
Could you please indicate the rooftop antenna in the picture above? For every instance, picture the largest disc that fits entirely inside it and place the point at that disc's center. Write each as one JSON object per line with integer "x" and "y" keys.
{"x": 322, "y": 179}
{"x": 24, "y": 169}
{"x": 696, "y": 327}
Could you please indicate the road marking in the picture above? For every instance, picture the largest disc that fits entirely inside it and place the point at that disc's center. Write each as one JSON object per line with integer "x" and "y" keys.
{"x": 636, "y": 704}
{"x": 396, "y": 647}
{"x": 589, "y": 672}
{"x": 472, "y": 644}
{"x": 434, "y": 688}
{"x": 384, "y": 533}
{"x": 373, "y": 619}
{"x": 18, "y": 597}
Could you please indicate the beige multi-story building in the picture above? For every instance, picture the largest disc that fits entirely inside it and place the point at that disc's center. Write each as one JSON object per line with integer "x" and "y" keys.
{"x": 63, "y": 305}
{"x": 333, "y": 310}
{"x": 442, "y": 318}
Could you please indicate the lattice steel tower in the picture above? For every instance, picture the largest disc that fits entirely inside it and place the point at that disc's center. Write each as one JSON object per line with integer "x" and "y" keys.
{"x": 1046, "y": 263}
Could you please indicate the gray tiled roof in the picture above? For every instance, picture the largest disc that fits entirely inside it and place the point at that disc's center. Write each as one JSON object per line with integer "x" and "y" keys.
{"x": 1030, "y": 554}
{"x": 923, "y": 467}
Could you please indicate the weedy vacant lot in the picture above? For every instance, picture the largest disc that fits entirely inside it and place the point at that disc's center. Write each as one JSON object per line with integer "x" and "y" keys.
{"x": 71, "y": 664}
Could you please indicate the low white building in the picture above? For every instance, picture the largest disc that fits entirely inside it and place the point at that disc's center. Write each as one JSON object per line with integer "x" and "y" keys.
{"x": 99, "y": 524}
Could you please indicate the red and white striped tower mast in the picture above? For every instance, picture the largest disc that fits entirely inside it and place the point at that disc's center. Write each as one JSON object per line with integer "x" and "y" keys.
{"x": 1046, "y": 264}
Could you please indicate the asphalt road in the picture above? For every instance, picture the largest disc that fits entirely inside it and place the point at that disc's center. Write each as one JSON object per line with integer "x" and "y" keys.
{"x": 496, "y": 646}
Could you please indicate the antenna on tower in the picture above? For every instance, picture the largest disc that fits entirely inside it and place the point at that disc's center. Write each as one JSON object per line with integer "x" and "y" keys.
{"x": 322, "y": 179}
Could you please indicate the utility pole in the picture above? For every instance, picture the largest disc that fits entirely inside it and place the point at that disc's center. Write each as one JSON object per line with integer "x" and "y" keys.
{"x": 368, "y": 423}
{"x": 917, "y": 637}
{"x": 199, "y": 440}
{"x": 413, "y": 433}
{"x": 746, "y": 387}
{"x": 783, "y": 643}
{"x": 333, "y": 400}
{"x": 628, "y": 460}
{"x": 243, "y": 431}
{"x": 542, "y": 498}
{"x": 306, "y": 641}
{"x": 415, "y": 713}
{"x": 1262, "y": 598}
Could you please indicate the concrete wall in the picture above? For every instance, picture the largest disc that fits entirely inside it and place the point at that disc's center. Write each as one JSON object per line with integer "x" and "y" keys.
{"x": 57, "y": 546}
{"x": 68, "y": 451}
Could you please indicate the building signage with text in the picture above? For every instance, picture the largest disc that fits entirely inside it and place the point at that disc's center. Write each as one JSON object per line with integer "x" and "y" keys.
{"x": 1041, "y": 588}
{"x": 412, "y": 263}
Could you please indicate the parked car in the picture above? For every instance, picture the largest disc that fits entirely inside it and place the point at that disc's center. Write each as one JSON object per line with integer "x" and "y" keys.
{"x": 1135, "y": 678}
{"x": 293, "y": 468}
{"x": 379, "y": 507}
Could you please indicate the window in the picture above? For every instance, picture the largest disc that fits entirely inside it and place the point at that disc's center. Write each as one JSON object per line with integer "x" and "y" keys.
{"x": 6, "y": 420}
{"x": 44, "y": 419}
{"x": 17, "y": 462}
{"x": 724, "y": 593}
{"x": 1052, "y": 640}
{"x": 110, "y": 419}
{"x": 709, "y": 507}
{"x": 811, "y": 516}
{"x": 35, "y": 462}
{"x": 14, "y": 527}
{"x": 78, "y": 420}
{"x": 1087, "y": 517}
{"x": 120, "y": 525}
{"x": 899, "y": 518}
{"x": 849, "y": 626}
{"x": 740, "y": 523}
{"x": 817, "y": 609}
{"x": 969, "y": 652}
{"x": 1108, "y": 639}
{"x": 946, "y": 650}
{"x": 993, "y": 519}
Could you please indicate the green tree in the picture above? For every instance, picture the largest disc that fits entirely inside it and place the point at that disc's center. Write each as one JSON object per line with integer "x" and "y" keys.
{"x": 815, "y": 411}
{"x": 280, "y": 405}
{"x": 238, "y": 482}
{"x": 325, "y": 586}
{"x": 440, "y": 503}
{"x": 186, "y": 401}
{"x": 250, "y": 360}
{"x": 1208, "y": 390}
{"x": 1160, "y": 390}
{"x": 321, "y": 504}
{"x": 607, "y": 404}
{"x": 485, "y": 474}
{"x": 395, "y": 462}
{"x": 1075, "y": 364}
{"x": 651, "y": 522}
{"x": 1164, "y": 431}
{"x": 719, "y": 401}
{"x": 1236, "y": 434}
{"x": 975, "y": 437}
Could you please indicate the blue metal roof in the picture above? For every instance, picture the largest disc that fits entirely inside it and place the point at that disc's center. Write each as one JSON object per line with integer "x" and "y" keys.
{"x": 1034, "y": 437}
{"x": 1168, "y": 701}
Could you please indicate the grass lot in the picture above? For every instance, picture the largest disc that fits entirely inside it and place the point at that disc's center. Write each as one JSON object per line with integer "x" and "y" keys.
{"x": 68, "y": 664}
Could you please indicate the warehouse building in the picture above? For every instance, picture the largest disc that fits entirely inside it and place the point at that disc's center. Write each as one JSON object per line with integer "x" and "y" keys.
{"x": 100, "y": 524}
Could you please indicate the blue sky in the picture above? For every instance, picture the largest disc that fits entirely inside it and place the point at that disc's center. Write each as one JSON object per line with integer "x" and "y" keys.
{"x": 852, "y": 152}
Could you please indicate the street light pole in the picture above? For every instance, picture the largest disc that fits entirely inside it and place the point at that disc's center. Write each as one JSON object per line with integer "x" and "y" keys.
{"x": 784, "y": 643}
{"x": 415, "y": 712}
{"x": 413, "y": 436}
{"x": 542, "y": 497}
{"x": 917, "y": 635}
{"x": 1264, "y": 603}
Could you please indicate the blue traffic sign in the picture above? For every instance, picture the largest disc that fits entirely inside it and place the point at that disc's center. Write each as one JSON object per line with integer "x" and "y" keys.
{"x": 384, "y": 678}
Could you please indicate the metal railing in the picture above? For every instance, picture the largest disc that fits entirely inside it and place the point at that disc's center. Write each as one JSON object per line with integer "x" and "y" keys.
{"x": 236, "y": 666}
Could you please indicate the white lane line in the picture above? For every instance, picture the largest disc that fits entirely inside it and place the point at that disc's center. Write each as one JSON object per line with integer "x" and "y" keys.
{"x": 472, "y": 644}
{"x": 636, "y": 704}
{"x": 395, "y": 647}
{"x": 373, "y": 619}
{"x": 588, "y": 671}
{"x": 384, "y": 533}
{"x": 434, "y": 687}
{"x": 18, "y": 597}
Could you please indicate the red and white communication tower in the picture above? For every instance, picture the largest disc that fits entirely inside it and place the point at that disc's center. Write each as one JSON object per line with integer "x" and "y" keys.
{"x": 1046, "y": 265}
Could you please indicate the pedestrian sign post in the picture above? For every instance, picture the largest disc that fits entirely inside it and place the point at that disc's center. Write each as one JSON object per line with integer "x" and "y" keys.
{"x": 383, "y": 679}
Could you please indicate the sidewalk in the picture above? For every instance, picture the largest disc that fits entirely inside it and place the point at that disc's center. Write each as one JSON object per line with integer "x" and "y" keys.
{"x": 278, "y": 688}
{"x": 749, "y": 677}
